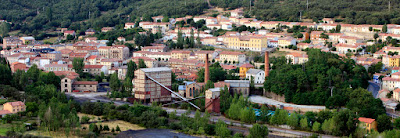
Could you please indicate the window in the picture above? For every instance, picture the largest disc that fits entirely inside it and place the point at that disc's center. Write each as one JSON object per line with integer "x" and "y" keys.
{"x": 66, "y": 85}
{"x": 66, "y": 80}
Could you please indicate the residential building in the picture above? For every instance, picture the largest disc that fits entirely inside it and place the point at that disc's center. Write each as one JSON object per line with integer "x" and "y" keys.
{"x": 116, "y": 51}
{"x": 128, "y": 25}
{"x": 296, "y": 58}
{"x": 12, "y": 108}
{"x": 345, "y": 48}
{"x": 161, "y": 48}
{"x": 257, "y": 74}
{"x": 107, "y": 29}
{"x": 149, "y": 91}
{"x": 181, "y": 54}
{"x": 95, "y": 69}
{"x": 244, "y": 68}
{"x": 53, "y": 56}
{"x": 232, "y": 57}
{"x": 12, "y": 42}
{"x": 286, "y": 41}
{"x": 368, "y": 123}
{"x": 396, "y": 94}
{"x": 253, "y": 43}
{"x": 56, "y": 67}
{"x": 17, "y": 66}
{"x": 149, "y": 62}
{"x": 69, "y": 32}
{"x": 391, "y": 82}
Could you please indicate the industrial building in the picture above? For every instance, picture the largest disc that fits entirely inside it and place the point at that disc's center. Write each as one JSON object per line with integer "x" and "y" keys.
{"x": 153, "y": 84}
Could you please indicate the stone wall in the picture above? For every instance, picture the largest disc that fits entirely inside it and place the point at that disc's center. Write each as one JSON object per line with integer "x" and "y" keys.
{"x": 280, "y": 98}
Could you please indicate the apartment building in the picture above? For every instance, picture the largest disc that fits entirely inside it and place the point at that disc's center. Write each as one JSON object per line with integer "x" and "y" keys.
{"x": 253, "y": 43}
{"x": 116, "y": 51}
{"x": 232, "y": 57}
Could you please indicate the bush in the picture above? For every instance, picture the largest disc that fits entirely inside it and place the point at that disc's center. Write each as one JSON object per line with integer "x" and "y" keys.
{"x": 85, "y": 119}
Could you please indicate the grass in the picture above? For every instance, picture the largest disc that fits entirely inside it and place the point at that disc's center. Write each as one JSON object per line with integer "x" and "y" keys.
{"x": 278, "y": 54}
{"x": 3, "y": 129}
{"x": 51, "y": 39}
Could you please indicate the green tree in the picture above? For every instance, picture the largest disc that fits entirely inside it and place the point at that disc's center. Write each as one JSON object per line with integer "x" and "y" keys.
{"x": 78, "y": 65}
{"x": 142, "y": 64}
{"x": 115, "y": 84}
{"x": 258, "y": 131}
{"x": 293, "y": 120}
{"x": 338, "y": 28}
{"x": 280, "y": 117}
{"x": 384, "y": 123}
{"x": 247, "y": 115}
{"x": 191, "y": 39}
{"x": 4, "y": 29}
{"x": 221, "y": 129}
{"x": 304, "y": 124}
{"x": 384, "y": 28}
{"x": 316, "y": 127}
{"x": 180, "y": 40}
{"x": 132, "y": 67}
{"x": 376, "y": 36}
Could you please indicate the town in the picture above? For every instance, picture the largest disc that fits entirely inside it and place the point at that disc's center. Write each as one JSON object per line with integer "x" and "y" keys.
{"x": 295, "y": 79}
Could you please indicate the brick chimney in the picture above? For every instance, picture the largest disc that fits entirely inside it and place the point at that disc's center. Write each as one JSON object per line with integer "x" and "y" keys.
{"x": 207, "y": 70}
{"x": 266, "y": 66}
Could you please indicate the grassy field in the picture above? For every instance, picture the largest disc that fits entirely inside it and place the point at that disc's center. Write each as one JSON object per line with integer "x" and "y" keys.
{"x": 51, "y": 39}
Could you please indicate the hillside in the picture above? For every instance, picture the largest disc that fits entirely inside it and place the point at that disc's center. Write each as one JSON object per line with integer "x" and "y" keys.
{"x": 351, "y": 11}
{"x": 50, "y": 14}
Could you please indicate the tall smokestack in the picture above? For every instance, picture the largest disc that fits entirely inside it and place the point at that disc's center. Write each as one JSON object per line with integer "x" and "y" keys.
{"x": 207, "y": 70}
{"x": 266, "y": 66}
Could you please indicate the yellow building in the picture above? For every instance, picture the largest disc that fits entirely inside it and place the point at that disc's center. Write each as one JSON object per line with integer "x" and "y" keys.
{"x": 229, "y": 56}
{"x": 14, "y": 107}
{"x": 367, "y": 123}
{"x": 253, "y": 43}
{"x": 394, "y": 61}
{"x": 180, "y": 54}
{"x": 244, "y": 68}
{"x": 282, "y": 42}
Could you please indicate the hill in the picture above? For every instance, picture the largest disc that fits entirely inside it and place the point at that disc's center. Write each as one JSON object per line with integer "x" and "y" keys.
{"x": 51, "y": 14}
{"x": 349, "y": 11}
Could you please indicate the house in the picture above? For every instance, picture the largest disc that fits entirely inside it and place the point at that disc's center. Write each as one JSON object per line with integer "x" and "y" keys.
{"x": 316, "y": 35}
{"x": 17, "y": 66}
{"x": 328, "y": 20}
{"x": 244, "y": 68}
{"x": 90, "y": 32}
{"x": 56, "y": 67}
{"x": 149, "y": 62}
{"x": 107, "y": 29}
{"x": 391, "y": 82}
{"x": 286, "y": 41}
{"x": 345, "y": 48}
{"x": 257, "y": 75}
{"x": 27, "y": 40}
{"x": 95, "y": 69}
{"x": 121, "y": 39}
{"x": 296, "y": 58}
{"x": 69, "y": 32}
{"x": 237, "y": 13}
{"x": 368, "y": 123}
{"x": 128, "y": 25}
{"x": 12, "y": 42}
{"x": 396, "y": 94}
{"x": 12, "y": 108}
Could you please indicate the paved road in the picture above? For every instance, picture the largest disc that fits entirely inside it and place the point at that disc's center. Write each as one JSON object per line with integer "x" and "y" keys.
{"x": 93, "y": 97}
{"x": 265, "y": 100}
{"x": 374, "y": 88}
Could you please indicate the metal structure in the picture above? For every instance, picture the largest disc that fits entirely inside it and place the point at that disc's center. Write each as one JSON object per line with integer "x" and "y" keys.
{"x": 175, "y": 93}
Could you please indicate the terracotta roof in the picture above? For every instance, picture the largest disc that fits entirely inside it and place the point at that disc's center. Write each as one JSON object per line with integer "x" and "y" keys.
{"x": 92, "y": 57}
{"x": 366, "y": 120}
{"x": 247, "y": 65}
{"x": 231, "y": 53}
{"x": 4, "y": 112}
{"x": 93, "y": 66}
{"x": 17, "y": 103}
{"x": 85, "y": 83}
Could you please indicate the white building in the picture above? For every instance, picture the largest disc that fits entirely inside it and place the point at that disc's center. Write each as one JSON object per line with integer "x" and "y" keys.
{"x": 257, "y": 74}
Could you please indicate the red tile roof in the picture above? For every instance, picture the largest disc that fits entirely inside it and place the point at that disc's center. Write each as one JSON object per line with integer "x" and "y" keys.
{"x": 247, "y": 65}
{"x": 366, "y": 120}
{"x": 17, "y": 103}
{"x": 93, "y": 66}
{"x": 4, "y": 112}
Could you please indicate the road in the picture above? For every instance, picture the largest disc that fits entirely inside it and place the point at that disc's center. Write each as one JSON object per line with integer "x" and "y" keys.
{"x": 265, "y": 100}
{"x": 374, "y": 88}
{"x": 94, "y": 97}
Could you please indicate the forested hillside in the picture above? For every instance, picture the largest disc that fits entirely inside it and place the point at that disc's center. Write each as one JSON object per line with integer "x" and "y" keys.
{"x": 48, "y": 14}
{"x": 351, "y": 11}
